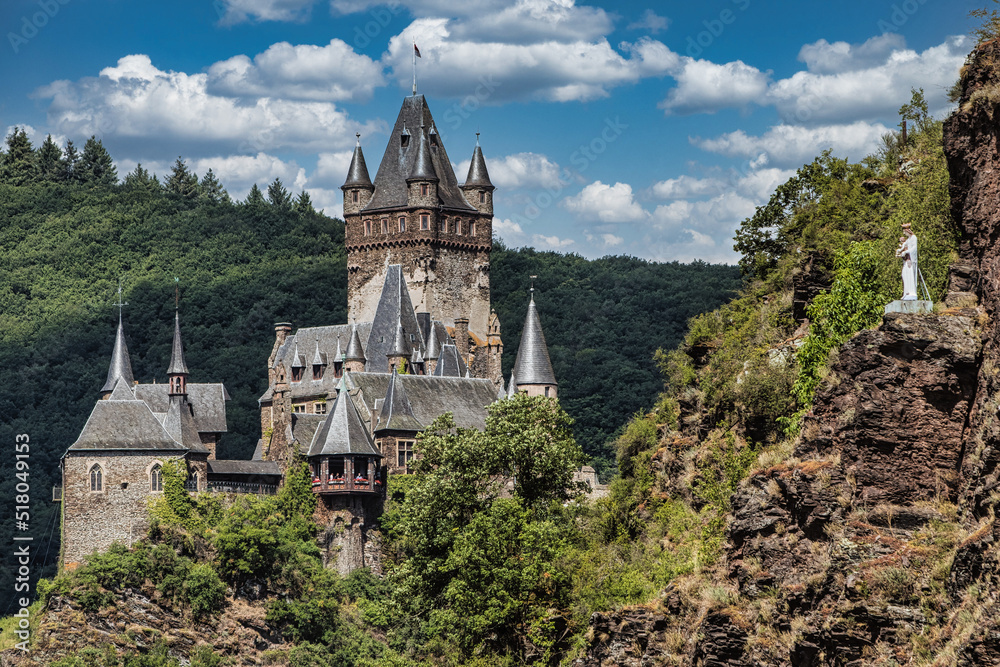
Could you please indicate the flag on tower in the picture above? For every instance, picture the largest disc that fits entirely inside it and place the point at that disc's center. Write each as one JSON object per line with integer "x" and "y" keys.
{"x": 416, "y": 51}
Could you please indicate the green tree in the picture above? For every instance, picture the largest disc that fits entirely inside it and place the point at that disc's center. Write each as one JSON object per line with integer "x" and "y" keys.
{"x": 50, "y": 160}
{"x": 303, "y": 204}
{"x": 255, "y": 199}
{"x": 140, "y": 179}
{"x": 181, "y": 182}
{"x": 278, "y": 196}
{"x": 212, "y": 190}
{"x": 20, "y": 162}
{"x": 70, "y": 164}
{"x": 96, "y": 166}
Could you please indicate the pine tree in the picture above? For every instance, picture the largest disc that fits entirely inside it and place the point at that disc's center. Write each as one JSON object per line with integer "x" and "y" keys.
{"x": 255, "y": 198}
{"x": 212, "y": 190}
{"x": 182, "y": 182}
{"x": 50, "y": 160}
{"x": 70, "y": 164}
{"x": 303, "y": 204}
{"x": 96, "y": 166}
{"x": 140, "y": 179}
{"x": 20, "y": 162}
{"x": 278, "y": 196}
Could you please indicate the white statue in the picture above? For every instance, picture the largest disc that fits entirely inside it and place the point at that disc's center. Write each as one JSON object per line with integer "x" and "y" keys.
{"x": 908, "y": 251}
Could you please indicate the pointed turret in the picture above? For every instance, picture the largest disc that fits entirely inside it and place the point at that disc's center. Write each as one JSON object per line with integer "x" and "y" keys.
{"x": 358, "y": 187}
{"x": 355, "y": 355}
{"x": 478, "y": 187}
{"x": 532, "y": 366}
{"x": 121, "y": 364}
{"x": 343, "y": 431}
{"x": 450, "y": 364}
{"x": 397, "y": 413}
{"x": 178, "y": 370}
{"x": 400, "y": 348}
{"x": 512, "y": 385}
{"x": 423, "y": 167}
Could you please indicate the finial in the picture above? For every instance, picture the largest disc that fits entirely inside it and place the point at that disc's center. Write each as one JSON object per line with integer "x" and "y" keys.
{"x": 477, "y": 138}
{"x": 532, "y": 283}
{"x": 358, "y": 135}
{"x": 120, "y": 303}
{"x": 177, "y": 293}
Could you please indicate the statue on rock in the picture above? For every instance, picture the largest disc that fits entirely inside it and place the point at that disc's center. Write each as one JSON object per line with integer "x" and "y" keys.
{"x": 908, "y": 251}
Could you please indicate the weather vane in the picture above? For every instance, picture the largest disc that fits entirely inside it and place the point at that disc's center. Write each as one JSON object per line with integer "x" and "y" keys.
{"x": 532, "y": 282}
{"x": 120, "y": 303}
{"x": 177, "y": 293}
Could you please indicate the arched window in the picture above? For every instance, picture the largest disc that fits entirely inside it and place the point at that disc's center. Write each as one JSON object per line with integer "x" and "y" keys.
{"x": 96, "y": 478}
{"x": 156, "y": 478}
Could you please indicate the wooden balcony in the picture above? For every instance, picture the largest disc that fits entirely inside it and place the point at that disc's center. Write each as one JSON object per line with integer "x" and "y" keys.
{"x": 344, "y": 486}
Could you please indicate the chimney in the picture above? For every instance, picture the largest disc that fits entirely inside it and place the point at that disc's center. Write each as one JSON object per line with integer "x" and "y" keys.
{"x": 462, "y": 336}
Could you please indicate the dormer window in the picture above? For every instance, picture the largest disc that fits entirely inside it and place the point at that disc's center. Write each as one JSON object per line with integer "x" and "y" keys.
{"x": 425, "y": 221}
{"x": 296, "y": 374}
{"x": 318, "y": 371}
{"x": 424, "y": 189}
{"x": 434, "y": 140}
{"x": 404, "y": 140}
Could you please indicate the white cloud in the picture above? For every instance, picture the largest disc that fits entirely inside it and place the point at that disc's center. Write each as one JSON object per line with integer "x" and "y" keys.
{"x": 509, "y": 231}
{"x": 135, "y": 101}
{"x": 238, "y": 11}
{"x": 520, "y": 170}
{"x": 863, "y": 91}
{"x": 305, "y": 71}
{"x": 792, "y": 145}
{"x": 606, "y": 240}
{"x": 331, "y": 169}
{"x": 237, "y": 173}
{"x": 650, "y": 21}
{"x": 606, "y": 203}
{"x": 706, "y": 87}
{"x": 329, "y": 201}
{"x": 542, "y": 242}
{"x": 489, "y": 72}
{"x": 684, "y": 187}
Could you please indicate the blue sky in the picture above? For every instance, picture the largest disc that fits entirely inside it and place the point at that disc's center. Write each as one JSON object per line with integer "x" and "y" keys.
{"x": 646, "y": 129}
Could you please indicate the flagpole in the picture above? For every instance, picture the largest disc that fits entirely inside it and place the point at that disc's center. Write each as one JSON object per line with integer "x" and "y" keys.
{"x": 414, "y": 56}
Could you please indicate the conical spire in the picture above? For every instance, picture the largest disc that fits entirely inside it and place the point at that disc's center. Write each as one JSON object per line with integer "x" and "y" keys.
{"x": 297, "y": 360}
{"x": 512, "y": 387}
{"x": 397, "y": 413}
{"x": 177, "y": 364}
{"x": 121, "y": 364}
{"x": 423, "y": 167}
{"x": 343, "y": 431}
{"x": 317, "y": 359}
{"x": 357, "y": 175}
{"x": 478, "y": 176}
{"x": 354, "y": 351}
{"x": 533, "y": 365}
{"x": 339, "y": 356}
{"x": 400, "y": 346}
{"x": 433, "y": 346}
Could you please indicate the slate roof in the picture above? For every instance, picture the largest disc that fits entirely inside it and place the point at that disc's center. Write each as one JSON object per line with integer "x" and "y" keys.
{"x": 430, "y": 397}
{"x": 179, "y": 423}
{"x": 304, "y": 426}
{"x": 423, "y": 167}
{"x": 450, "y": 363}
{"x": 343, "y": 432}
{"x": 231, "y": 467}
{"x": 121, "y": 364}
{"x": 357, "y": 174}
{"x": 478, "y": 176}
{"x": 532, "y": 365}
{"x": 398, "y": 162}
{"x": 354, "y": 350}
{"x": 177, "y": 364}
{"x": 207, "y": 399}
{"x": 400, "y": 345}
{"x": 118, "y": 425}
{"x": 396, "y": 413}
{"x": 394, "y": 309}
{"x": 328, "y": 338}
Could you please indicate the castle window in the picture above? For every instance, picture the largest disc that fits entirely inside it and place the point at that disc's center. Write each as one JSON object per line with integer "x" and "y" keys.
{"x": 320, "y": 408}
{"x": 402, "y": 223}
{"x": 472, "y": 227}
{"x": 404, "y": 452}
{"x": 385, "y": 225}
{"x": 296, "y": 374}
{"x": 354, "y": 196}
{"x": 424, "y": 189}
{"x": 546, "y": 392}
{"x": 96, "y": 478}
{"x": 458, "y": 227}
{"x": 404, "y": 140}
{"x": 425, "y": 221}
{"x": 482, "y": 197}
{"x": 299, "y": 408}
{"x": 444, "y": 225}
{"x": 318, "y": 371}
{"x": 156, "y": 478}
{"x": 368, "y": 227}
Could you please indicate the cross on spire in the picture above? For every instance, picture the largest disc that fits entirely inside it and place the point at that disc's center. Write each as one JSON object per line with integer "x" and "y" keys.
{"x": 177, "y": 293}
{"x": 120, "y": 303}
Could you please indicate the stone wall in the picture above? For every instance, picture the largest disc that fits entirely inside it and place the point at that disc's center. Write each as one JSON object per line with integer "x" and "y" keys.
{"x": 92, "y": 521}
{"x": 348, "y": 539}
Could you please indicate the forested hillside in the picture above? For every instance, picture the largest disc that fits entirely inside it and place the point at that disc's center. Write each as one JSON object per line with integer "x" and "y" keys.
{"x": 70, "y": 229}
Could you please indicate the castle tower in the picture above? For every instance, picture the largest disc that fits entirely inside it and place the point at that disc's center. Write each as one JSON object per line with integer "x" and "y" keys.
{"x": 532, "y": 368}
{"x": 478, "y": 188}
{"x": 177, "y": 372}
{"x": 121, "y": 364}
{"x": 354, "y": 358}
{"x": 418, "y": 217}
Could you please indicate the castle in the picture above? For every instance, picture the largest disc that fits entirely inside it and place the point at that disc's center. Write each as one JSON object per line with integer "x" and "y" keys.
{"x": 350, "y": 398}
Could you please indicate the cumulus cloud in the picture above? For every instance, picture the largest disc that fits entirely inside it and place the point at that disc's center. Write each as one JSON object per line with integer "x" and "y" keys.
{"x": 491, "y": 72}
{"x": 542, "y": 242}
{"x": 706, "y": 87}
{"x": 331, "y": 169}
{"x": 238, "y": 11}
{"x": 792, "y": 145}
{"x": 843, "y": 84}
{"x": 520, "y": 170}
{"x": 650, "y": 21}
{"x": 171, "y": 112}
{"x": 684, "y": 187}
{"x": 332, "y": 72}
{"x": 606, "y": 240}
{"x": 509, "y": 231}
{"x": 606, "y": 203}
